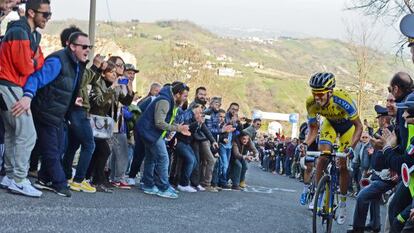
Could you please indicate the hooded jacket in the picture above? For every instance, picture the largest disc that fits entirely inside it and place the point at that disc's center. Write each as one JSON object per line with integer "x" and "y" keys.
{"x": 20, "y": 53}
{"x": 149, "y": 127}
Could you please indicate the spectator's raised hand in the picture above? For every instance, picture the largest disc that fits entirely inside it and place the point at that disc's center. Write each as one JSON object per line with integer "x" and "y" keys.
{"x": 389, "y": 137}
{"x": 22, "y": 106}
{"x": 98, "y": 61}
{"x": 184, "y": 130}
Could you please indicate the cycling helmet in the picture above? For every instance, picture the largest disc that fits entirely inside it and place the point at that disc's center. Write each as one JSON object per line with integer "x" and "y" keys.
{"x": 322, "y": 81}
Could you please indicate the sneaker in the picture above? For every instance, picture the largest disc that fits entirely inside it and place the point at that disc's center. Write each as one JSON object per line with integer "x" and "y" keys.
{"x": 24, "y": 187}
{"x": 311, "y": 203}
{"x": 187, "y": 189}
{"x": 217, "y": 187}
{"x": 151, "y": 191}
{"x": 303, "y": 198}
{"x": 131, "y": 181}
{"x": 225, "y": 187}
{"x": 200, "y": 188}
{"x": 5, "y": 182}
{"x": 172, "y": 189}
{"x": 236, "y": 188}
{"x": 75, "y": 186}
{"x": 167, "y": 194}
{"x": 341, "y": 213}
{"x": 103, "y": 189}
{"x": 64, "y": 192}
{"x": 43, "y": 185}
{"x": 211, "y": 189}
{"x": 86, "y": 187}
{"x": 32, "y": 174}
{"x": 243, "y": 184}
{"x": 120, "y": 185}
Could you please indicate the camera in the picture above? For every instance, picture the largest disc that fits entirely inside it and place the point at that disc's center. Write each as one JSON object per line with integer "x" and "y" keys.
{"x": 123, "y": 81}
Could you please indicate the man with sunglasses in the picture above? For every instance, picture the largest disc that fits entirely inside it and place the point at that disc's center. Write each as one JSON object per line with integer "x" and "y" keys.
{"x": 20, "y": 56}
{"x": 54, "y": 90}
{"x": 341, "y": 121}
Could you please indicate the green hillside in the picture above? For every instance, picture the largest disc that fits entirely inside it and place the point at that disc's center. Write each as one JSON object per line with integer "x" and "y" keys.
{"x": 279, "y": 83}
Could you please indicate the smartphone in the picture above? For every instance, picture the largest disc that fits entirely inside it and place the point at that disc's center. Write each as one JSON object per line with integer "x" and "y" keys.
{"x": 123, "y": 81}
{"x": 377, "y": 136}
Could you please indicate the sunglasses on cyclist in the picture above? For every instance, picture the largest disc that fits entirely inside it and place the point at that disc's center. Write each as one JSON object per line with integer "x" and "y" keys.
{"x": 319, "y": 93}
{"x": 45, "y": 15}
{"x": 84, "y": 46}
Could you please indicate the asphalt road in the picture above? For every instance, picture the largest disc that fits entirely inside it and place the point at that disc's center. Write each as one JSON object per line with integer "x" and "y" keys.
{"x": 270, "y": 204}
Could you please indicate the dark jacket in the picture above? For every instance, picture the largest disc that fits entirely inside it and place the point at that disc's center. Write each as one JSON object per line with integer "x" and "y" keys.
{"x": 238, "y": 150}
{"x": 146, "y": 124}
{"x": 57, "y": 92}
{"x": 18, "y": 53}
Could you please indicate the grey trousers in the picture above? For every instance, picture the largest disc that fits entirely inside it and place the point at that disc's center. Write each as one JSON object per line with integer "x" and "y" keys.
{"x": 119, "y": 156}
{"x": 19, "y": 138}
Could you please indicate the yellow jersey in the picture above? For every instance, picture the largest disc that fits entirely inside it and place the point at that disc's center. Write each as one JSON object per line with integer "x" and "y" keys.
{"x": 340, "y": 109}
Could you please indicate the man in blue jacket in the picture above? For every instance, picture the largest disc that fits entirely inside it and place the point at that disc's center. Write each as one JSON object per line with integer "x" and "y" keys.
{"x": 153, "y": 125}
{"x": 56, "y": 85}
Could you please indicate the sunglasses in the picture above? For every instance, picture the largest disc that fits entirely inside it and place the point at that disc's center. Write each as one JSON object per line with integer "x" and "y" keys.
{"x": 364, "y": 137}
{"x": 84, "y": 46}
{"x": 319, "y": 93}
{"x": 45, "y": 15}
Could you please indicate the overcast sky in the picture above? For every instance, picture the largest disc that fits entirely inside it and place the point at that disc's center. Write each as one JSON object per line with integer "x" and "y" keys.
{"x": 323, "y": 18}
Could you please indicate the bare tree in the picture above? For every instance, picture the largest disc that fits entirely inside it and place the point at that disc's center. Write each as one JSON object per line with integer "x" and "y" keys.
{"x": 359, "y": 40}
{"x": 390, "y": 9}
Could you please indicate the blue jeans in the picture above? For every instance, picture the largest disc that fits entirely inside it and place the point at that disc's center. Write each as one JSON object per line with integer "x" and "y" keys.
{"x": 50, "y": 142}
{"x": 370, "y": 197}
{"x": 239, "y": 168}
{"x": 225, "y": 154}
{"x": 278, "y": 161}
{"x": 130, "y": 156}
{"x": 288, "y": 165}
{"x": 156, "y": 162}
{"x": 189, "y": 161}
{"x": 79, "y": 134}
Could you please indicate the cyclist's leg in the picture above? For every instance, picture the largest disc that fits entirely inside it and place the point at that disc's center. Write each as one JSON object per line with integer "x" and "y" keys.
{"x": 344, "y": 142}
{"x": 326, "y": 140}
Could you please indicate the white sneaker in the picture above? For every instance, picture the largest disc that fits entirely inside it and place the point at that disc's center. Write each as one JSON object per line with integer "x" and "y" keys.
{"x": 5, "y": 182}
{"x": 311, "y": 203}
{"x": 341, "y": 213}
{"x": 187, "y": 189}
{"x": 200, "y": 188}
{"x": 25, "y": 188}
{"x": 131, "y": 181}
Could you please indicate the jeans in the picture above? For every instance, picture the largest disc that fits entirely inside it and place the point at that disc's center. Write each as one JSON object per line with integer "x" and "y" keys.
{"x": 130, "y": 157}
{"x": 370, "y": 197}
{"x": 189, "y": 162}
{"x": 119, "y": 156}
{"x": 239, "y": 168}
{"x": 139, "y": 155}
{"x": 156, "y": 162}
{"x": 288, "y": 166}
{"x": 225, "y": 154}
{"x": 79, "y": 134}
{"x": 356, "y": 175}
{"x": 51, "y": 142}
{"x": 278, "y": 161}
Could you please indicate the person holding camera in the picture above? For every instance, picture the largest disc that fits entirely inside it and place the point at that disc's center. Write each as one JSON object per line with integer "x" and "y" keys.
{"x": 241, "y": 154}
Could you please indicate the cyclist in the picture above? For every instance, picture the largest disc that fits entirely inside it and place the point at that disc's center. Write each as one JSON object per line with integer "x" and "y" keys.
{"x": 341, "y": 121}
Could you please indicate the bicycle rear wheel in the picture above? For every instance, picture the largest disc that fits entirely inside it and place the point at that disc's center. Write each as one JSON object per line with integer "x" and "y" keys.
{"x": 322, "y": 219}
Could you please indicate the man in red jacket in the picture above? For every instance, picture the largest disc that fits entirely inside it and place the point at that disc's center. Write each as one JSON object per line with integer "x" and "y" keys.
{"x": 20, "y": 56}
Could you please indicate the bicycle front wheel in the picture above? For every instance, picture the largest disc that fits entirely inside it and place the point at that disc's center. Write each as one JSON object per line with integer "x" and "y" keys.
{"x": 322, "y": 208}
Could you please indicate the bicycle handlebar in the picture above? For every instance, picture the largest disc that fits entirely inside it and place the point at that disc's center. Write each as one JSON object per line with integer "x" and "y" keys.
{"x": 324, "y": 153}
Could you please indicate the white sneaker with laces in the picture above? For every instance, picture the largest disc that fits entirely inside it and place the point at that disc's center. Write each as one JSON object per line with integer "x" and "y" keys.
{"x": 5, "y": 182}
{"x": 187, "y": 189}
{"x": 200, "y": 188}
{"x": 131, "y": 181}
{"x": 311, "y": 203}
{"x": 341, "y": 213}
{"x": 24, "y": 187}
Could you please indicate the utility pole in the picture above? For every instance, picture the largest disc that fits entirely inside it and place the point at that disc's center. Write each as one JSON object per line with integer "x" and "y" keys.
{"x": 92, "y": 25}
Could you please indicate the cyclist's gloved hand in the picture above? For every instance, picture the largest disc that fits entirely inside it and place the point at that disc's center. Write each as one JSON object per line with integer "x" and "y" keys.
{"x": 350, "y": 152}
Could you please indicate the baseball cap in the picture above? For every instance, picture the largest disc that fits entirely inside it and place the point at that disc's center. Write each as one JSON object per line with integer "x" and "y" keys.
{"x": 131, "y": 67}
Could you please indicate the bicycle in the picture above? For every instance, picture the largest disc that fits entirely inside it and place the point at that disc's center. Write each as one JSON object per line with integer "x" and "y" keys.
{"x": 326, "y": 196}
